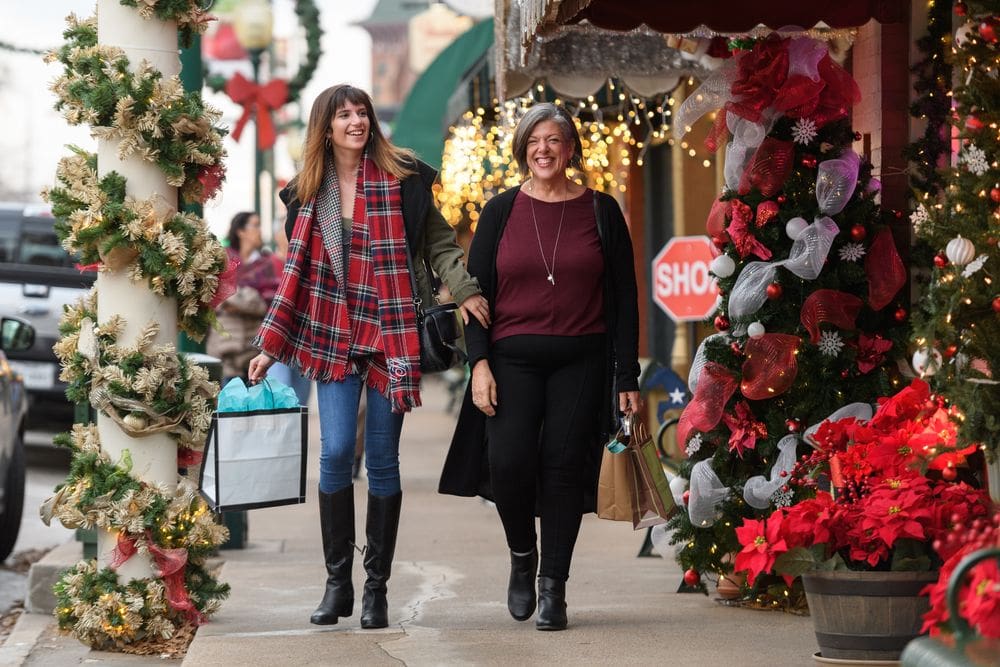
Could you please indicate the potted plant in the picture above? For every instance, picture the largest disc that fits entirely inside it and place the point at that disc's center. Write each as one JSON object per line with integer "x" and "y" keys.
{"x": 883, "y": 493}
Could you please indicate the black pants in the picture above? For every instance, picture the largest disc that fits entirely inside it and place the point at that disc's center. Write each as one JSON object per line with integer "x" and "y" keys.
{"x": 549, "y": 400}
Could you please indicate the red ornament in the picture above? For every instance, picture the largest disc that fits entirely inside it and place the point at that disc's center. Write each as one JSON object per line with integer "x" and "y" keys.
{"x": 995, "y": 194}
{"x": 737, "y": 350}
{"x": 972, "y": 123}
{"x": 900, "y": 314}
{"x": 961, "y": 8}
{"x": 996, "y": 305}
{"x": 793, "y": 425}
{"x": 949, "y": 473}
{"x": 722, "y": 323}
{"x": 782, "y": 199}
{"x": 858, "y": 232}
{"x": 809, "y": 161}
{"x": 720, "y": 241}
{"x": 686, "y": 496}
{"x": 988, "y": 31}
{"x": 845, "y": 373}
{"x": 857, "y": 136}
{"x": 951, "y": 350}
{"x": 774, "y": 291}
{"x": 940, "y": 261}
{"x": 898, "y": 214}
{"x": 692, "y": 577}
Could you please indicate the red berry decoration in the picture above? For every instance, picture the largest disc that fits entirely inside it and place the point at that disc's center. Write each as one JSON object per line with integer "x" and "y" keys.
{"x": 961, "y": 8}
{"x": 721, "y": 323}
{"x": 686, "y": 497}
{"x": 951, "y": 350}
{"x": 996, "y": 305}
{"x": 949, "y": 473}
{"x": 900, "y": 314}
{"x": 774, "y": 291}
{"x": 995, "y": 194}
{"x": 940, "y": 261}
{"x": 845, "y": 373}
{"x": 782, "y": 199}
{"x": 793, "y": 425}
{"x": 972, "y": 123}
{"x": 735, "y": 347}
{"x": 858, "y": 232}
{"x": 692, "y": 577}
{"x": 809, "y": 161}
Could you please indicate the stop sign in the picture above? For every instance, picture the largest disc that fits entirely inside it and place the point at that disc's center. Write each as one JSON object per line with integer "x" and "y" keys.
{"x": 682, "y": 286}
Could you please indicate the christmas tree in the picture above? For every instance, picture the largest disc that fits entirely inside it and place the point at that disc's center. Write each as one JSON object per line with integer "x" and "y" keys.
{"x": 957, "y": 327}
{"x": 809, "y": 319}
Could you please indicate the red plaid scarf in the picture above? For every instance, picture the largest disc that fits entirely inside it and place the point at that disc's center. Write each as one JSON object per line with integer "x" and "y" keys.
{"x": 309, "y": 325}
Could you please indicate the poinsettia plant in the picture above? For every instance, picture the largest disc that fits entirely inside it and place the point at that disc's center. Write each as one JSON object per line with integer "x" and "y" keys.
{"x": 884, "y": 493}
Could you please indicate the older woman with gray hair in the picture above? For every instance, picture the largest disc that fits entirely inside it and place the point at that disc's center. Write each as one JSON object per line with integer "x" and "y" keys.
{"x": 557, "y": 365}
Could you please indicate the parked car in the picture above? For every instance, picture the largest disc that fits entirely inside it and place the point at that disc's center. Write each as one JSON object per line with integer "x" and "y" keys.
{"x": 37, "y": 278}
{"x": 16, "y": 335}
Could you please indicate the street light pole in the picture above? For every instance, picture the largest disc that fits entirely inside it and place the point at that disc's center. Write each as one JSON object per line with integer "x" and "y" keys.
{"x": 253, "y": 23}
{"x": 258, "y": 154}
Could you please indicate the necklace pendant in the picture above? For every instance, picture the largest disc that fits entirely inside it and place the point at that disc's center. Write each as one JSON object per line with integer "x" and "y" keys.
{"x": 551, "y": 279}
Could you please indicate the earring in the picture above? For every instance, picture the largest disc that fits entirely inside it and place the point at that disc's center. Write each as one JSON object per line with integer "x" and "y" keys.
{"x": 326, "y": 143}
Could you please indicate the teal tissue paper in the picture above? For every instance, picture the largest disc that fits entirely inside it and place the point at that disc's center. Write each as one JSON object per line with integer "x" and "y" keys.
{"x": 266, "y": 395}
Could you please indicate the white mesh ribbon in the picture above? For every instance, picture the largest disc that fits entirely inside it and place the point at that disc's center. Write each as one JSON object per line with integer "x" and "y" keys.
{"x": 757, "y": 491}
{"x": 705, "y": 495}
{"x": 747, "y": 136}
{"x": 737, "y": 158}
{"x": 860, "y": 411}
{"x": 836, "y": 181}
{"x": 712, "y": 94}
{"x": 678, "y": 485}
{"x": 804, "y": 54}
{"x": 810, "y": 249}
{"x": 699, "y": 360}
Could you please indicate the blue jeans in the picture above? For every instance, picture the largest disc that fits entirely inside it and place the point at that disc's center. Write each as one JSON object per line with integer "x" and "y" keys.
{"x": 338, "y": 415}
{"x": 292, "y": 378}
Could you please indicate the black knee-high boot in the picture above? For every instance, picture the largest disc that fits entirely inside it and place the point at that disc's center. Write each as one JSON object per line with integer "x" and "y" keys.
{"x": 336, "y": 519}
{"x": 381, "y": 527}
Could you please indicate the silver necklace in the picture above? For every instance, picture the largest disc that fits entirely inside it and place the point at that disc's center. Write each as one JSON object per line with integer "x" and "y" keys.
{"x": 551, "y": 271}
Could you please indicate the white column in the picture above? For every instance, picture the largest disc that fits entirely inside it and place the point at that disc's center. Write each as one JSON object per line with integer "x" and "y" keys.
{"x": 154, "y": 457}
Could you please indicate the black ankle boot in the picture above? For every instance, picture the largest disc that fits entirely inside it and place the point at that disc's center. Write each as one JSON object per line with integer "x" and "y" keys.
{"x": 336, "y": 520}
{"x": 521, "y": 589}
{"x": 381, "y": 527}
{"x": 551, "y": 604}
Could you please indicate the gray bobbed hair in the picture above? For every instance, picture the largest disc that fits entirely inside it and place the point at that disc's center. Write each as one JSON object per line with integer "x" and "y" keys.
{"x": 539, "y": 114}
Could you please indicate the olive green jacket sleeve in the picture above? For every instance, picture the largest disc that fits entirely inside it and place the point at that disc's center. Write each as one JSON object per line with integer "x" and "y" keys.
{"x": 445, "y": 256}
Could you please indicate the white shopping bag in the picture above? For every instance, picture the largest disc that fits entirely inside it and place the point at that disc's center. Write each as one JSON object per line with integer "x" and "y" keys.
{"x": 255, "y": 459}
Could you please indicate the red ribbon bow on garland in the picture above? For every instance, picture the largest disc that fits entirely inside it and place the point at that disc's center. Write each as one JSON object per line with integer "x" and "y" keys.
{"x": 261, "y": 99}
{"x": 170, "y": 563}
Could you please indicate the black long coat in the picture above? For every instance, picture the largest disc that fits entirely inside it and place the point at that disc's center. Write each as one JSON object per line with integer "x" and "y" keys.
{"x": 466, "y": 471}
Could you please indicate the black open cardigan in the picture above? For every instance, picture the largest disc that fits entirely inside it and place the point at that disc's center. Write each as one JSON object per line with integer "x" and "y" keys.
{"x": 466, "y": 470}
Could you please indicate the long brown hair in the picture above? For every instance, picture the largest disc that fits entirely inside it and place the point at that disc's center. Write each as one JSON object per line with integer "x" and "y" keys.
{"x": 400, "y": 162}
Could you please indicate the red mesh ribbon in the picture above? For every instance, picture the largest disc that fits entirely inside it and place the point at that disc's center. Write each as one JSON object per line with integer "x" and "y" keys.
{"x": 170, "y": 564}
{"x": 188, "y": 458}
{"x": 770, "y": 367}
{"x": 769, "y": 167}
{"x": 259, "y": 100}
{"x": 84, "y": 268}
{"x": 885, "y": 271}
{"x": 739, "y": 231}
{"x": 839, "y": 95}
{"x": 829, "y": 305}
{"x": 715, "y": 386}
{"x": 227, "y": 280}
{"x": 719, "y": 132}
{"x": 715, "y": 226}
{"x": 762, "y": 72}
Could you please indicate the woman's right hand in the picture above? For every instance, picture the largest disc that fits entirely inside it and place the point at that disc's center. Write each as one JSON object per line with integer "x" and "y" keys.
{"x": 484, "y": 388}
{"x": 257, "y": 370}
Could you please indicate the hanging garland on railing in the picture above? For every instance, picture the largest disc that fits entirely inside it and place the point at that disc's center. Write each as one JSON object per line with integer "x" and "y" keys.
{"x": 175, "y": 529}
{"x": 175, "y": 253}
{"x": 932, "y": 102}
{"x": 308, "y": 15}
{"x": 149, "y": 116}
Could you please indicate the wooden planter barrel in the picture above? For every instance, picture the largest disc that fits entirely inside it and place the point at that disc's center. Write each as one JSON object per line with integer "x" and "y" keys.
{"x": 866, "y": 615}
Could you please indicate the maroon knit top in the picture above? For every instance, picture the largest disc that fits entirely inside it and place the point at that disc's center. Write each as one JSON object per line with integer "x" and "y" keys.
{"x": 526, "y": 302}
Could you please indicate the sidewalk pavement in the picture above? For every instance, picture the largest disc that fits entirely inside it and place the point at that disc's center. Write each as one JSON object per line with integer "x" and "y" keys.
{"x": 447, "y": 595}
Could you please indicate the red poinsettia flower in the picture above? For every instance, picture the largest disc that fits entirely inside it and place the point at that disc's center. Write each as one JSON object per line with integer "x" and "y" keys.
{"x": 981, "y": 602}
{"x": 743, "y": 428}
{"x": 895, "y": 513}
{"x": 808, "y": 522}
{"x": 762, "y": 544}
{"x": 871, "y": 352}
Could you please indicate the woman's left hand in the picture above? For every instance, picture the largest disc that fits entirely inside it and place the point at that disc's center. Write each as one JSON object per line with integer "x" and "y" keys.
{"x": 629, "y": 402}
{"x": 476, "y": 306}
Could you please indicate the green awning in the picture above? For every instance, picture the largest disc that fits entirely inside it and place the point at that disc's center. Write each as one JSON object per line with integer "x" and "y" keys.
{"x": 419, "y": 123}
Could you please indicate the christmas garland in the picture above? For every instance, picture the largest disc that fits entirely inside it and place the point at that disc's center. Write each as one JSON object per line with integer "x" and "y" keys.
{"x": 144, "y": 388}
{"x": 308, "y": 15}
{"x": 149, "y": 116}
{"x": 190, "y": 15}
{"x": 175, "y": 526}
{"x": 175, "y": 253}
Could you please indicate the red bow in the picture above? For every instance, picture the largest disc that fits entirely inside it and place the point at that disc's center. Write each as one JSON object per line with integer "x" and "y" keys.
{"x": 170, "y": 564}
{"x": 262, "y": 99}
